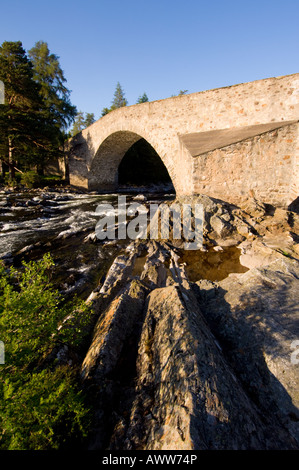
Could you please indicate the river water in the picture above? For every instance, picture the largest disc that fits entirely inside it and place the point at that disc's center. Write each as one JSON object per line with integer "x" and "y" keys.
{"x": 60, "y": 222}
{"x": 36, "y": 222}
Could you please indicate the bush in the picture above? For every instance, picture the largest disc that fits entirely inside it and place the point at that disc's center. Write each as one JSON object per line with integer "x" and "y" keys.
{"x": 39, "y": 408}
{"x": 30, "y": 179}
{"x": 10, "y": 182}
{"x": 45, "y": 411}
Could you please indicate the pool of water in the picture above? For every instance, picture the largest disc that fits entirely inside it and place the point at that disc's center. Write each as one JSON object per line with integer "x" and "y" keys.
{"x": 212, "y": 265}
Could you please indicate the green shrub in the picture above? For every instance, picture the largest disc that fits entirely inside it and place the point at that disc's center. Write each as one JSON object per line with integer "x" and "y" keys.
{"x": 30, "y": 179}
{"x": 39, "y": 408}
{"x": 45, "y": 411}
{"x": 10, "y": 182}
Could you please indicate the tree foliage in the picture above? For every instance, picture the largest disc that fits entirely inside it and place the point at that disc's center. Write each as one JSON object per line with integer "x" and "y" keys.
{"x": 79, "y": 123}
{"x": 40, "y": 408}
{"x": 21, "y": 116}
{"x": 119, "y": 100}
{"x": 142, "y": 99}
{"x": 37, "y": 106}
{"x": 49, "y": 75}
{"x": 89, "y": 119}
{"x": 82, "y": 122}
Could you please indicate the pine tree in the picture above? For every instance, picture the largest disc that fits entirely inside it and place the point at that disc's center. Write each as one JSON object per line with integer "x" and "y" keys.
{"x": 79, "y": 123}
{"x": 89, "y": 119}
{"x": 21, "y": 117}
{"x": 58, "y": 111}
{"x": 105, "y": 111}
{"x": 142, "y": 99}
{"x": 48, "y": 73}
{"x": 119, "y": 98}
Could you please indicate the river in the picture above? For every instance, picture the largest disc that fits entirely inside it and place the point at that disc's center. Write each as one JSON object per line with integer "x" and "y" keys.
{"x": 63, "y": 223}
{"x": 60, "y": 222}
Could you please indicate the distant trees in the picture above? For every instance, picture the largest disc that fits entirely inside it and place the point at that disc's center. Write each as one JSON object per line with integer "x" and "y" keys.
{"x": 78, "y": 125}
{"x": 37, "y": 107}
{"x": 105, "y": 111}
{"x": 120, "y": 100}
{"x": 142, "y": 99}
{"x": 180, "y": 93}
{"x": 89, "y": 119}
{"x": 82, "y": 122}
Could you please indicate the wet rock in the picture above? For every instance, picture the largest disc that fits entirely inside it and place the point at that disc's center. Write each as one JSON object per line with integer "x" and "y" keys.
{"x": 71, "y": 232}
{"x": 26, "y": 249}
{"x": 7, "y": 259}
{"x": 49, "y": 211}
{"x": 217, "y": 248}
{"x": 139, "y": 197}
{"x": 65, "y": 197}
{"x": 32, "y": 202}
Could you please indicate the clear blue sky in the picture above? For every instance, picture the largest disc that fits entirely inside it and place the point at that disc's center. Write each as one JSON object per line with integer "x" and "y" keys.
{"x": 157, "y": 46}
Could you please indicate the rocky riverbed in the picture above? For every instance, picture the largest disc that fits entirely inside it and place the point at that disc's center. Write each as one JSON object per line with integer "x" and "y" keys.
{"x": 187, "y": 349}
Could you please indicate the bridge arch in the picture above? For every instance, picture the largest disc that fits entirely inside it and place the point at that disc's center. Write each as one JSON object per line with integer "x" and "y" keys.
{"x": 103, "y": 169}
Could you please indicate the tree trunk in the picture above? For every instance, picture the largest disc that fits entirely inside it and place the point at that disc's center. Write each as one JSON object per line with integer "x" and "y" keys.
{"x": 10, "y": 160}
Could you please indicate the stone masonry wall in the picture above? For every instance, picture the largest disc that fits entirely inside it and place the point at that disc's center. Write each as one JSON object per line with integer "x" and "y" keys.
{"x": 262, "y": 165}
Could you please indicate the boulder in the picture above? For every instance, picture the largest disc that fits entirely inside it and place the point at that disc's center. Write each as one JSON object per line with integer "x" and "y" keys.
{"x": 255, "y": 208}
{"x": 220, "y": 226}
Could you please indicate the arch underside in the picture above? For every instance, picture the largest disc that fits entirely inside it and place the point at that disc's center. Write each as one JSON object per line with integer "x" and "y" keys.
{"x": 103, "y": 173}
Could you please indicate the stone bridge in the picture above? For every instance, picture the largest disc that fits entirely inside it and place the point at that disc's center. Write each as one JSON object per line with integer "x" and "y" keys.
{"x": 225, "y": 143}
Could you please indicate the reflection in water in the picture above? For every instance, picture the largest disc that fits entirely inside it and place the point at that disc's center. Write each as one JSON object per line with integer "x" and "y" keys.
{"x": 212, "y": 265}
